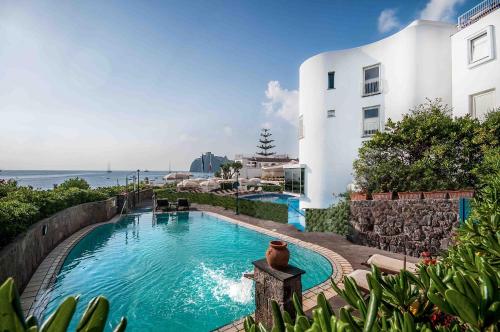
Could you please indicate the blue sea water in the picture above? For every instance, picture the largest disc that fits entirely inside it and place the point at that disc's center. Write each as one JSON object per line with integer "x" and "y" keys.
{"x": 47, "y": 179}
{"x": 168, "y": 273}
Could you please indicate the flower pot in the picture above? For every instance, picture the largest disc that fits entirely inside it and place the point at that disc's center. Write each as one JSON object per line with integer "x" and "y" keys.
{"x": 465, "y": 193}
{"x": 277, "y": 255}
{"x": 382, "y": 196}
{"x": 410, "y": 195}
{"x": 435, "y": 194}
{"x": 359, "y": 197}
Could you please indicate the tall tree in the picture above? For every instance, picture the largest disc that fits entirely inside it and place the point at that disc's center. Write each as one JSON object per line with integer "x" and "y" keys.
{"x": 265, "y": 143}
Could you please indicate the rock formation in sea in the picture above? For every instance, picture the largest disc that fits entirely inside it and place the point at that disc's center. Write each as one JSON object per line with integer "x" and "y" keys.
{"x": 211, "y": 163}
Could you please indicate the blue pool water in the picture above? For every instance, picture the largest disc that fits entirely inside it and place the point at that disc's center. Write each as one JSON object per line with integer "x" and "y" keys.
{"x": 172, "y": 274}
{"x": 295, "y": 215}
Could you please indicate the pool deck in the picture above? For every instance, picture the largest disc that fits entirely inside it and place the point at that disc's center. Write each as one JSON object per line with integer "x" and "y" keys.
{"x": 342, "y": 254}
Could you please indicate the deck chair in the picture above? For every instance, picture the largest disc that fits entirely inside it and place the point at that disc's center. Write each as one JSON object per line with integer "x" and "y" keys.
{"x": 390, "y": 265}
{"x": 182, "y": 204}
{"x": 162, "y": 204}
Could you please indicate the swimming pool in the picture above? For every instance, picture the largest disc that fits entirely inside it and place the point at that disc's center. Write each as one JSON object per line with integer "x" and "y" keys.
{"x": 296, "y": 217}
{"x": 168, "y": 273}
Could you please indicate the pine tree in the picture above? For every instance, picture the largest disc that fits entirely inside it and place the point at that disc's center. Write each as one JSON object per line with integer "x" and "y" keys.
{"x": 265, "y": 143}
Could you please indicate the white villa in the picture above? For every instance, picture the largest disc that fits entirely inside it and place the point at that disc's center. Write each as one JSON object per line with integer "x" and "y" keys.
{"x": 347, "y": 95}
{"x": 270, "y": 167}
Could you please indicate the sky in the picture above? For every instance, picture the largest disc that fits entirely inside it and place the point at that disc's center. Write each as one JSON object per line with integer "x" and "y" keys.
{"x": 141, "y": 84}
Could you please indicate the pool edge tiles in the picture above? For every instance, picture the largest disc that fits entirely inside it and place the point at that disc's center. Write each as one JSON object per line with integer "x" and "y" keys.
{"x": 41, "y": 282}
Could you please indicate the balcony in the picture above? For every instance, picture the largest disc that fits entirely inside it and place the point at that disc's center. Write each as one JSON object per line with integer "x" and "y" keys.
{"x": 484, "y": 8}
{"x": 371, "y": 87}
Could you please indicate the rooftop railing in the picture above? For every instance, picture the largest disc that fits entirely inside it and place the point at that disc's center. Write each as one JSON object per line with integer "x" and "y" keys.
{"x": 481, "y": 10}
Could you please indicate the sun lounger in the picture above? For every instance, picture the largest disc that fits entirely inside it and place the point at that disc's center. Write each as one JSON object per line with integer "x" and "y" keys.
{"x": 390, "y": 265}
{"x": 162, "y": 204}
{"x": 360, "y": 277}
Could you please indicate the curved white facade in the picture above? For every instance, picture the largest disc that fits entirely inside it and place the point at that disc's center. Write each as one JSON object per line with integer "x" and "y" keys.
{"x": 414, "y": 64}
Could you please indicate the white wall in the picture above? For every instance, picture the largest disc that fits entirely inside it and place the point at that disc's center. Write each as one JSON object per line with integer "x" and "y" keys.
{"x": 415, "y": 64}
{"x": 468, "y": 81}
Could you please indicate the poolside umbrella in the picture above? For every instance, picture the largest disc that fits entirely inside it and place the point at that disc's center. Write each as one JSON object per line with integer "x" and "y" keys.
{"x": 254, "y": 181}
{"x": 177, "y": 176}
{"x": 185, "y": 184}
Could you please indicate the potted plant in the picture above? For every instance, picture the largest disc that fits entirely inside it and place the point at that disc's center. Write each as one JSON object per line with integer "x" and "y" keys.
{"x": 359, "y": 196}
{"x": 435, "y": 194}
{"x": 382, "y": 196}
{"x": 461, "y": 193}
{"x": 410, "y": 195}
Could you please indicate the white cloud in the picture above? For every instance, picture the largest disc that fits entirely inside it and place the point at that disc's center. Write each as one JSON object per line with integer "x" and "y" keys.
{"x": 267, "y": 125}
{"x": 281, "y": 102}
{"x": 440, "y": 10}
{"x": 228, "y": 130}
{"x": 388, "y": 20}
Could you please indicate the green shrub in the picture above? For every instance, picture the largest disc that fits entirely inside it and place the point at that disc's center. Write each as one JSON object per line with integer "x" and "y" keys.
{"x": 74, "y": 183}
{"x": 7, "y": 186}
{"x": 427, "y": 150}
{"x": 272, "y": 188}
{"x": 93, "y": 318}
{"x": 333, "y": 219}
{"x": 15, "y": 218}
{"x": 253, "y": 208}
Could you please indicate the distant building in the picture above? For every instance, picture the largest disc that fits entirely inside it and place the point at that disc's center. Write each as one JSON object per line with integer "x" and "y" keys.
{"x": 263, "y": 167}
{"x": 210, "y": 163}
{"x": 346, "y": 96}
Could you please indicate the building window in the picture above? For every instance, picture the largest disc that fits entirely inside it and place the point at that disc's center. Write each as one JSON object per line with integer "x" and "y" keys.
{"x": 330, "y": 114}
{"x": 331, "y": 80}
{"x": 301, "y": 126}
{"x": 480, "y": 46}
{"x": 294, "y": 180}
{"x": 371, "y": 80}
{"x": 482, "y": 103}
{"x": 371, "y": 120}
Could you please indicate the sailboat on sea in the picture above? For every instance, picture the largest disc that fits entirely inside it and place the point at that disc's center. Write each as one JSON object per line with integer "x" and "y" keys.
{"x": 109, "y": 168}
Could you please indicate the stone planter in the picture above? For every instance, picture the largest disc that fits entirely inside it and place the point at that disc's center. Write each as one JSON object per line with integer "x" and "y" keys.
{"x": 277, "y": 255}
{"x": 359, "y": 197}
{"x": 407, "y": 195}
{"x": 464, "y": 193}
{"x": 382, "y": 196}
{"x": 435, "y": 194}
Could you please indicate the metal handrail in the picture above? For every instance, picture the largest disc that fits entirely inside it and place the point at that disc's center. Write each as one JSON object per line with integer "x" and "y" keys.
{"x": 474, "y": 14}
{"x": 299, "y": 212}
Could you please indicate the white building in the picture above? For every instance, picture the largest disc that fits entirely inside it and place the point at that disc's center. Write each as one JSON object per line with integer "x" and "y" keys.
{"x": 348, "y": 95}
{"x": 258, "y": 166}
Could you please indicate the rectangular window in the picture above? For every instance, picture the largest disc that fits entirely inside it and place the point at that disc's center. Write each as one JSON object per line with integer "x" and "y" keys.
{"x": 480, "y": 46}
{"x": 331, "y": 80}
{"x": 294, "y": 180}
{"x": 482, "y": 103}
{"x": 330, "y": 114}
{"x": 301, "y": 126}
{"x": 371, "y": 120}
{"x": 371, "y": 80}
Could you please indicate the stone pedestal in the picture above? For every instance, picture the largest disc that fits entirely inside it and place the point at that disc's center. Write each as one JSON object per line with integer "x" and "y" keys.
{"x": 277, "y": 285}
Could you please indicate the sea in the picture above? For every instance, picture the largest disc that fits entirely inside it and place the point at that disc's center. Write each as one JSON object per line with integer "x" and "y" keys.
{"x": 47, "y": 179}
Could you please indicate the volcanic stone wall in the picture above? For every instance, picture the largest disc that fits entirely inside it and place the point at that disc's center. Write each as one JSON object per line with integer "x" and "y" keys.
{"x": 420, "y": 225}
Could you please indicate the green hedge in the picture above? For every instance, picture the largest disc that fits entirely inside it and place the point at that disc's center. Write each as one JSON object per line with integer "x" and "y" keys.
{"x": 334, "y": 219}
{"x": 20, "y": 207}
{"x": 257, "y": 209}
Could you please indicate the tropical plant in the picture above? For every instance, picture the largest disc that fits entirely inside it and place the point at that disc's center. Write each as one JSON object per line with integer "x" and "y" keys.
{"x": 74, "y": 183}
{"x": 229, "y": 169}
{"x": 93, "y": 319}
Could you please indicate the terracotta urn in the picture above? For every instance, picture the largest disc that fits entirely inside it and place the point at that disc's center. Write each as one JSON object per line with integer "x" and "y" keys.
{"x": 277, "y": 255}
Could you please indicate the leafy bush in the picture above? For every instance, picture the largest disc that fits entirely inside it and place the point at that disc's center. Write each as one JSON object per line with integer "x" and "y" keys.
{"x": 427, "y": 150}
{"x": 333, "y": 219}
{"x": 74, "y": 183}
{"x": 93, "y": 319}
{"x": 272, "y": 188}
{"x": 15, "y": 217}
{"x": 7, "y": 186}
{"x": 253, "y": 208}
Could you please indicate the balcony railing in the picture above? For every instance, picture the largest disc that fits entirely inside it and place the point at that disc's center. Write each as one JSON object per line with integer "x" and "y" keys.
{"x": 481, "y": 10}
{"x": 371, "y": 87}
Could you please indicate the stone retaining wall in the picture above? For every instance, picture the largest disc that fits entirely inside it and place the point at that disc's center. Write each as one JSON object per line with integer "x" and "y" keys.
{"x": 427, "y": 224}
{"x": 21, "y": 258}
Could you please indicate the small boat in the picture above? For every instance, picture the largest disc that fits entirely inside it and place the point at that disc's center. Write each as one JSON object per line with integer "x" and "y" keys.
{"x": 109, "y": 168}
